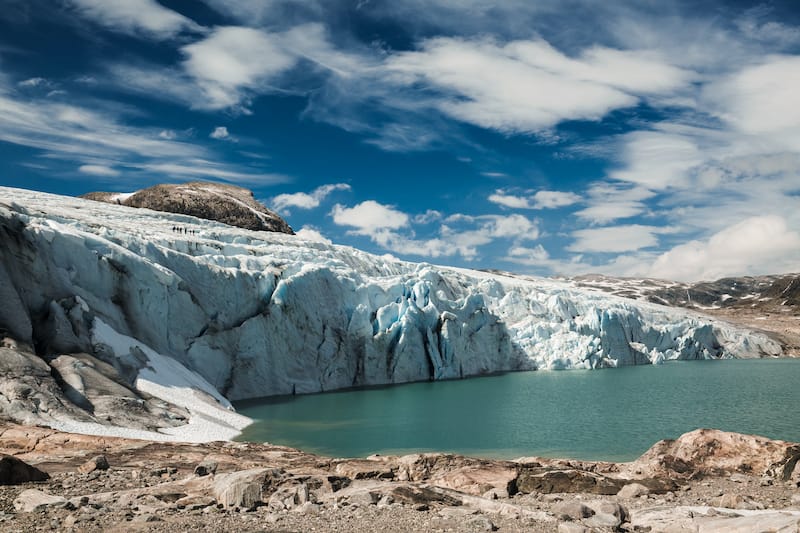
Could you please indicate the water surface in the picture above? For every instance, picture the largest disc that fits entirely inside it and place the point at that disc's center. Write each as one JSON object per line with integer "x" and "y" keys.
{"x": 613, "y": 414}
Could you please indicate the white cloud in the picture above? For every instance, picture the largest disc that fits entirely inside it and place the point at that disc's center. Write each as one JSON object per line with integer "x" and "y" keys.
{"x": 657, "y": 160}
{"x": 757, "y": 245}
{"x": 98, "y": 170}
{"x": 311, "y": 233}
{"x": 616, "y": 239}
{"x": 509, "y": 200}
{"x": 232, "y": 61}
{"x": 167, "y": 134}
{"x": 203, "y": 168}
{"x": 428, "y": 217}
{"x": 528, "y": 86}
{"x": 34, "y": 82}
{"x": 459, "y": 234}
{"x": 539, "y": 200}
{"x": 136, "y": 17}
{"x": 554, "y": 199}
{"x": 530, "y": 256}
{"x": 220, "y": 133}
{"x": 369, "y": 216}
{"x": 304, "y": 200}
{"x": 760, "y": 99}
{"x": 610, "y": 201}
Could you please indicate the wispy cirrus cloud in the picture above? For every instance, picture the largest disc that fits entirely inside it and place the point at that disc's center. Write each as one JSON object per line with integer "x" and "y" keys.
{"x": 136, "y": 17}
{"x": 99, "y": 140}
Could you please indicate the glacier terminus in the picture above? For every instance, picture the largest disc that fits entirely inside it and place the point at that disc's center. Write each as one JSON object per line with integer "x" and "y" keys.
{"x": 211, "y": 314}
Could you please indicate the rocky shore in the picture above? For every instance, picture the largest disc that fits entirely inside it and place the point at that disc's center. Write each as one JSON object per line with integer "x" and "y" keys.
{"x": 706, "y": 480}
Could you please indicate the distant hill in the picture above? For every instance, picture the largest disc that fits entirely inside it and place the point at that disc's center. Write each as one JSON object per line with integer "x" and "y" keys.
{"x": 228, "y": 204}
{"x": 767, "y": 303}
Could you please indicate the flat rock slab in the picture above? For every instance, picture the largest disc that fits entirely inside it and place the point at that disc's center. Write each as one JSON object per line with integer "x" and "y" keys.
{"x": 33, "y": 500}
{"x": 570, "y": 481}
{"x": 713, "y": 520}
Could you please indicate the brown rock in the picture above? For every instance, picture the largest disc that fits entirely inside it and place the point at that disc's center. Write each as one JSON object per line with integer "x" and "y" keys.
{"x": 713, "y": 452}
{"x": 98, "y": 462}
{"x": 478, "y": 480}
{"x": 13, "y": 471}
{"x": 228, "y": 204}
{"x": 549, "y": 481}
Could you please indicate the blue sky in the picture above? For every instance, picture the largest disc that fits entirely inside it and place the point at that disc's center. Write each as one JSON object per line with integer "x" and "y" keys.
{"x": 554, "y": 138}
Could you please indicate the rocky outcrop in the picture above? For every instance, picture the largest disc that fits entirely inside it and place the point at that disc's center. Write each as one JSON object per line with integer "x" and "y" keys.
{"x": 710, "y": 452}
{"x": 228, "y": 204}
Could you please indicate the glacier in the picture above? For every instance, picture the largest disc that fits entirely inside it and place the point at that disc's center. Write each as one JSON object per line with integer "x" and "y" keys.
{"x": 219, "y": 313}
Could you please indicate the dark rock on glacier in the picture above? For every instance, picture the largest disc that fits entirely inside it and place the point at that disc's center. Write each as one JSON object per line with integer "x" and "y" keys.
{"x": 228, "y": 204}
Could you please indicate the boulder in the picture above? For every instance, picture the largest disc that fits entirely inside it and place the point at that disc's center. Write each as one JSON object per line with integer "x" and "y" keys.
{"x": 205, "y": 468}
{"x": 633, "y": 490}
{"x": 572, "y": 511}
{"x": 34, "y": 500}
{"x": 98, "y": 462}
{"x": 14, "y": 471}
{"x": 712, "y": 452}
{"x": 247, "y": 488}
{"x": 480, "y": 479}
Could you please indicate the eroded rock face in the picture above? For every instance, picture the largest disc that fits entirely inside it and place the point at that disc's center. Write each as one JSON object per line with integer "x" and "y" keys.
{"x": 228, "y": 204}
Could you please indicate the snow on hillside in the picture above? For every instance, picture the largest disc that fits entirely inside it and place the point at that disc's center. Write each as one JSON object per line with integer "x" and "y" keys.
{"x": 254, "y": 314}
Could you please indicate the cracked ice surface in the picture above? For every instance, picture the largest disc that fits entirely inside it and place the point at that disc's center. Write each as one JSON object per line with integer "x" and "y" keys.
{"x": 255, "y": 314}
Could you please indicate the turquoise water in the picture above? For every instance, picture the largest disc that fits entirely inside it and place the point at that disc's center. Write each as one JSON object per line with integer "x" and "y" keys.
{"x": 613, "y": 414}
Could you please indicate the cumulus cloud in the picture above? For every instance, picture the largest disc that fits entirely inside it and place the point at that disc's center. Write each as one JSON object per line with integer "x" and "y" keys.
{"x": 757, "y": 245}
{"x": 220, "y": 133}
{"x": 311, "y": 233}
{"x": 135, "y": 17}
{"x": 302, "y": 200}
{"x": 539, "y": 200}
{"x": 368, "y": 216}
{"x": 458, "y": 234}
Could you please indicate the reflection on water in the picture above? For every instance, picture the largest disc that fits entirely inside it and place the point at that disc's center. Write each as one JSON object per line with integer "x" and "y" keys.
{"x": 613, "y": 414}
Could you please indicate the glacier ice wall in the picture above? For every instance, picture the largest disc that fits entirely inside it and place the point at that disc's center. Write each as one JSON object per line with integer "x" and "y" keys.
{"x": 258, "y": 314}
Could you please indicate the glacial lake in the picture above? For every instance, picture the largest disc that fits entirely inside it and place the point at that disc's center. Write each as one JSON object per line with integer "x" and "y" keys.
{"x": 612, "y": 414}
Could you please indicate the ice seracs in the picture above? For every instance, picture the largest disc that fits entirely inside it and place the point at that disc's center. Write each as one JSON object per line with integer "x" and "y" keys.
{"x": 235, "y": 314}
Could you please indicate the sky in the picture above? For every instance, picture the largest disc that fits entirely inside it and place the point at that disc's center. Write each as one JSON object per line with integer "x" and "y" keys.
{"x": 551, "y": 137}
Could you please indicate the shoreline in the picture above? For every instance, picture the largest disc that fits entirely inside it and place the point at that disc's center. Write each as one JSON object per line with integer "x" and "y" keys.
{"x": 705, "y": 477}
